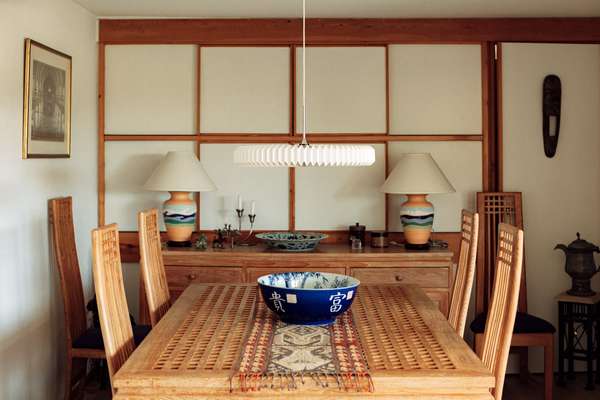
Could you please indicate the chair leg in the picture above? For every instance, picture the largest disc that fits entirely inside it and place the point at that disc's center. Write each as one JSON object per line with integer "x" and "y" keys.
{"x": 68, "y": 377}
{"x": 524, "y": 364}
{"x": 548, "y": 367}
{"x": 477, "y": 343}
{"x": 75, "y": 377}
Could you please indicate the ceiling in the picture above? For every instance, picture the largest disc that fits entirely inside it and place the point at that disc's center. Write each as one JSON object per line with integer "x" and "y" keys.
{"x": 342, "y": 8}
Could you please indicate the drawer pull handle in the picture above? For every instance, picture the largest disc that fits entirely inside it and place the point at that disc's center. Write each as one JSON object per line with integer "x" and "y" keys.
{"x": 399, "y": 278}
{"x": 192, "y": 277}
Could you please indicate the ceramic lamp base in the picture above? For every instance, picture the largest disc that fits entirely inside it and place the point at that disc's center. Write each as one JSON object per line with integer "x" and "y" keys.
{"x": 179, "y": 213}
{"x": 416, "y": 216}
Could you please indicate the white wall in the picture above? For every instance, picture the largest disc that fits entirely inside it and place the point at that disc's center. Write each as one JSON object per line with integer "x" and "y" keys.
{"x": 561, "y": 195}
{"x": 31, "y": 336}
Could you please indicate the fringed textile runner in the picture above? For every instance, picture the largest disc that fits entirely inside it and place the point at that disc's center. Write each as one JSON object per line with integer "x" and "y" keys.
{"x": 280, "y": 356}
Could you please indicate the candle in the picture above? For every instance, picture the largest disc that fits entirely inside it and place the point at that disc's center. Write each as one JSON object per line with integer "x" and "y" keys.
{"x": 253, "y": 207}
{"x": 240, "y": 206}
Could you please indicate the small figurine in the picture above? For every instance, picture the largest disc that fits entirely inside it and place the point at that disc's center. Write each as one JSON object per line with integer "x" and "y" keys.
{"x": 227, "y": 234}
{"x": 201, "y": 242}
{"x": 219, "y": 240}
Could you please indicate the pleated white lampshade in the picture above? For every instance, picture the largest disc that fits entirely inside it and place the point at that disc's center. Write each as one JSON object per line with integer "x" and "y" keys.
{"x": 317, "y": 155}
{"x": 180, "y": 171}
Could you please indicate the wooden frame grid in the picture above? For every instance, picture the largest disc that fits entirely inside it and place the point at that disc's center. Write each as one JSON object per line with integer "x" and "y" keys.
{"x": 487, "y": 32}
{"x": 291, "y": 136}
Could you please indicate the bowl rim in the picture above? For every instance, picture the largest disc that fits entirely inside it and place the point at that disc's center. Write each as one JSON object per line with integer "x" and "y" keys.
{"x": 354, "y": 285}
{"x": 319, "y": 236}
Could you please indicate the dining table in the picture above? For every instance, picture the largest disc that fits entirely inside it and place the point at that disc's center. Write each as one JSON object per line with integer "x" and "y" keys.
{"x": 411, "y": 350}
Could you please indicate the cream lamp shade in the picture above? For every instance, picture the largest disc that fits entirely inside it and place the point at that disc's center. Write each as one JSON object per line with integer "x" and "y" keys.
{"x": 417, "y": 175}
{"x": 180, "y": 173}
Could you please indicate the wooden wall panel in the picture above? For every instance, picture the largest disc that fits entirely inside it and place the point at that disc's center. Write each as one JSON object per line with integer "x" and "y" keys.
{"x": 245, "y": 90}
{"x": 461, "y": 162}
{"x": 269, "y": 187}
{"x": 345, "y": 91}
{"x": 150, "y": 89}
{"x": 349, "y": 31}
{"x": 128, "y": 166}
{"x": 333, "y": 198}
{"x": 435, "y": 89}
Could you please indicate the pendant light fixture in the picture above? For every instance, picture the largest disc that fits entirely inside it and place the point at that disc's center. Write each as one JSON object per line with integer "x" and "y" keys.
{"x": 304, "y": 154}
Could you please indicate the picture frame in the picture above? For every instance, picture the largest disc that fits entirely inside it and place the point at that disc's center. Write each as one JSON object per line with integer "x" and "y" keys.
{"x": 46, "y": 102}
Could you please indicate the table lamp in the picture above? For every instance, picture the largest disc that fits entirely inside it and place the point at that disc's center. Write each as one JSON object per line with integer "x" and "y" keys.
{"x": 180, "y": 173}
{"x": 417, "y": 175}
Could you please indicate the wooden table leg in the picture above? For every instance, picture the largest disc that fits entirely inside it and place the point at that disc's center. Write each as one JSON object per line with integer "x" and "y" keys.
{"x": 548, "y": 367}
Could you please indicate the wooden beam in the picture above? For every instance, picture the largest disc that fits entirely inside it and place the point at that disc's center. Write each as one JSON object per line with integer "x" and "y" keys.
{"x": 288, "y": 138}
{"x": 499, "y": 161}
{"x": 197, "y": 121}
{"x": 101, "y": 137}
{"x": 144, "y": 137}
{"x": 347, "y": 31}
{"x": 486, "y": 115}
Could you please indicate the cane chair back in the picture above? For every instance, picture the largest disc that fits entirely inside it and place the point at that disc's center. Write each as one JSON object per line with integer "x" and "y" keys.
{"x": 152, "y": 266}
{"x": 465, "y": 274}
{"x": 60, "y": 212}
{"x": 110, "y": 293}
{"x": 495, "y": 208}
{"x": 503, "y": 304}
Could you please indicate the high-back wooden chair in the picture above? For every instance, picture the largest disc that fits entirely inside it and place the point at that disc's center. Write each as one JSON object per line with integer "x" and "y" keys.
{"x": 503, "y": 304}
{"x": 494, "y": 209}
{"x": 152, "y": 267}
{"x": 117, "y": 333}
{"x": 77, "y": 333}
{"x": 463, "y": 284}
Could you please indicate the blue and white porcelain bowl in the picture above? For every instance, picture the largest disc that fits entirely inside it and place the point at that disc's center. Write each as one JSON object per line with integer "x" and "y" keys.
{"x": 308, "y": 298}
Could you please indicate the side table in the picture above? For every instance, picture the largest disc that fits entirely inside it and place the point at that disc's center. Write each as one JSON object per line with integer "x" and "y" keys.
{"x": 578, "y": 335}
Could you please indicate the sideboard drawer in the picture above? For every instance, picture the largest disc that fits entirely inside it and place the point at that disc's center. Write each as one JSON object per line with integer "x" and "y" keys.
{"x": 181, "y": 277}
{"x": 424, "y": 277}
{"x": 255, "y": 273}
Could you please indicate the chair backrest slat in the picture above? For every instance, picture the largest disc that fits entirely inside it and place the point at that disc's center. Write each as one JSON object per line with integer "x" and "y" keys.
{"x": 465, "y": 273}
{"x": 152, "y": 266}
{"x": 503, "y": 304}
{"x": 60, "y": 214}
{"x": 495, "y": 208}
{"x": 117, "y": 333}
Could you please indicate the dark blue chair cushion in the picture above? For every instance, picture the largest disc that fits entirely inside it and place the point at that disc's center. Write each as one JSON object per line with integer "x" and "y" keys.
{"x": 524, "y": 323}
{"x": 92, "y": 337}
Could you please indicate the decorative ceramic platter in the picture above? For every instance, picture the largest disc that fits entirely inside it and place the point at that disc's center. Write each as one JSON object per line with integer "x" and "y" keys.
{"x": 292, "y": 241}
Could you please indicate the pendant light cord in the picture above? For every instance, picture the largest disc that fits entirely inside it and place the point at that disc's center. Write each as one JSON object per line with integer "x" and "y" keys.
{"x": 304, "y": 140}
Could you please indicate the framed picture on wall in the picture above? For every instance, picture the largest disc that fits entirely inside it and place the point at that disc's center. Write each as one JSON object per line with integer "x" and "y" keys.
{"x": 46, "y": 102}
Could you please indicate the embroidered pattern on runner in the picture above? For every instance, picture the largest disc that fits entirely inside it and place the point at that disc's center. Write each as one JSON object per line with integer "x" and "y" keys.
{"x": 280, "y": 356}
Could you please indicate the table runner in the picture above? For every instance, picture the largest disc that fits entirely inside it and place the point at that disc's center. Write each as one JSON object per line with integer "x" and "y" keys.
{"x": 282, "y": 356}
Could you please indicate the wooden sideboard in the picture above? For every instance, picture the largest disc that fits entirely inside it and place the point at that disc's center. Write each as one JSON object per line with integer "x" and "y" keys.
{"x": 433, "y": 270}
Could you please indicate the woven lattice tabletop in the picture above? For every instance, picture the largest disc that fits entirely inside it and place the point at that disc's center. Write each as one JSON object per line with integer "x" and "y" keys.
{"x": 410, "y": 347}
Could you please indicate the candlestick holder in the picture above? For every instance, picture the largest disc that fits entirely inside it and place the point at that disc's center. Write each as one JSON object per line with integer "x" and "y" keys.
{"x": 240, "y": 214}
{"x": 251, "y": 218}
